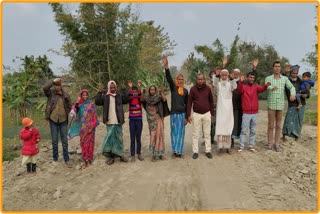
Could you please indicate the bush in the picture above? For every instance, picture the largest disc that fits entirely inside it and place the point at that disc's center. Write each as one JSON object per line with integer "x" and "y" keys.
{"x": 8, "y": 153}
{"x": 311, "y": 118}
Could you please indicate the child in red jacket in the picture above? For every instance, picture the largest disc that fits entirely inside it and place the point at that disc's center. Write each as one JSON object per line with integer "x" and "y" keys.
{"x": 30, "y": 137}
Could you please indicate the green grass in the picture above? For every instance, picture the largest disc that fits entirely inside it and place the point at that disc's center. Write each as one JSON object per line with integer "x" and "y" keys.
{"x": 311, "y": 118}
{"x": 8, "y": 153}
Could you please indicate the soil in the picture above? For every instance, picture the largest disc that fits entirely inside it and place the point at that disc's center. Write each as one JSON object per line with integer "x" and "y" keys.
{"x": 266, "y": 180}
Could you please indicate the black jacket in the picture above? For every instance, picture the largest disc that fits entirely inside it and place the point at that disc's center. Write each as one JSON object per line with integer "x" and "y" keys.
{"x": 104, "y": 100}
{"x": 178, "y": 103}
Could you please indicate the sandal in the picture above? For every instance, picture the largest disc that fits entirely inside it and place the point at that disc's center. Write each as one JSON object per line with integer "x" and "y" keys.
{"x": 277, "y": 148}
{"x": 124, "y": 159}
{"x": 252, "y": 150}
{"x": 240, "y": 150}
{"x": 110, "y": 161}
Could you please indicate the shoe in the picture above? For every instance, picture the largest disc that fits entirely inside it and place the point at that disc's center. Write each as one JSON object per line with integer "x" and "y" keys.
{"x": 277, "y": 148}
{"x": 133, "y": 159}
{"x": 268, "y": 148}
{"x": 240, "y": 150}
{"x": 34, "y": 167}
{"x": 29, "y": 167}
{"x": 68, "y": 164}
{"x": 229, "y": 151}
{"x": 195, "y": 155}
{"x": 209, "y": 155}
{"x": 161, "y": 157}
{"x": 154, "y": 158}
{"x": 110, "y": 161}
{"x": 123, "y": 159}
{"x": 140, "y": 158}
{"x": 252, "y": 150}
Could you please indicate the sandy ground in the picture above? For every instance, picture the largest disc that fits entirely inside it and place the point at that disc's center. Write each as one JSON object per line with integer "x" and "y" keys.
{"x": 265, "y": 180}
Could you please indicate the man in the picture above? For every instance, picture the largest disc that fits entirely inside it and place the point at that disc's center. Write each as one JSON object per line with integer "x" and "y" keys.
{"x": 237, "y": 110}
{"x": 113, "y": 117}
{"x": 275, "y": 100}
{"x": 214, "y": 98}
{"x": 200, "y": 98}
{"x": 179, "y": 101}
{"x": 294, "y": 117}
{"x": 57, "y": 110}
{"x": 224, "y": 117}
{"x": 250, "y": 106}
{"x": 236, "y": 101}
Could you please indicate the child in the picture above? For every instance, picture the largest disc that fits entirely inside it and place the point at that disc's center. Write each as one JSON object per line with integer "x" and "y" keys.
{"x": 135, "y": 120}
{"x": 31, "y": 138}
{"x": 304, "y": 87}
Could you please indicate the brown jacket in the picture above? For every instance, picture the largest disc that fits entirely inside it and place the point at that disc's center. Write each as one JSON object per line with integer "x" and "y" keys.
{"x": 53, "y": 98}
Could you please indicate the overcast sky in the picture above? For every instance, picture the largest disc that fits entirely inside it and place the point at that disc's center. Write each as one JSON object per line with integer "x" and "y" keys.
{"x": 30, "y": 29}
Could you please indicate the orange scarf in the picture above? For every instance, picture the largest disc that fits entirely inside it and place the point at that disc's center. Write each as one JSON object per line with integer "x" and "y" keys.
{"x": 180, "y": 89}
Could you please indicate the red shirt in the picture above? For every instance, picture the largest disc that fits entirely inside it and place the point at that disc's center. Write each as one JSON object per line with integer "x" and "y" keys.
{"x": 249, "y": 97}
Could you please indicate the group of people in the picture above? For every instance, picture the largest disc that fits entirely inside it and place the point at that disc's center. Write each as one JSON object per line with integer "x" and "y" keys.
{"x": 221, "y": 109}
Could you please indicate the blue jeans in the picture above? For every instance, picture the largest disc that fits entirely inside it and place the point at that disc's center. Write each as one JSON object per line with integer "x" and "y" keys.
{"x": 135, "y": 135}
{"x": 248, "y": 121}
{"x": 55, "y": 129}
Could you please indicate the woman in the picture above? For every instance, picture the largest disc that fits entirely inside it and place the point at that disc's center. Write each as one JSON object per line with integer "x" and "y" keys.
{"x": 153, "y": 104}
{"x": 83, "y": 115}
{"x": 293, "y": 121}
{"x": 179, "y": 101}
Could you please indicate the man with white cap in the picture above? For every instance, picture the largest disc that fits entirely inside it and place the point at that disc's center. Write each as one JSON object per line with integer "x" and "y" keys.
{"x": 224, "y": 117}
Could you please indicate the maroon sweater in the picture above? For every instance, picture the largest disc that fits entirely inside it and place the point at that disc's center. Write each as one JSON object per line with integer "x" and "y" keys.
{"x": 202, "y": 100}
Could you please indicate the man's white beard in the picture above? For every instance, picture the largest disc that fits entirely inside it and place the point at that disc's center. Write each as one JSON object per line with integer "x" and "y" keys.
{"x": 237, "y": 79}
{"x": 294, "y": 79}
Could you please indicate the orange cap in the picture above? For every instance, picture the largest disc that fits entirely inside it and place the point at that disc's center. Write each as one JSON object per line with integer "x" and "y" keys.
{"x": 27, "y": 122}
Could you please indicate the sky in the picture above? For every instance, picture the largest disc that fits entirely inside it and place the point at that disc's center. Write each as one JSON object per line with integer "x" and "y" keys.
{"x": 30, "y": 29}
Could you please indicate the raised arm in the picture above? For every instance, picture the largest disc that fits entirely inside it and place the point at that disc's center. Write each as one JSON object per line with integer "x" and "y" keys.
{"x": 161, "y": 91}
{"x": 167, "y": 72}
{"x": 99, "y": 100}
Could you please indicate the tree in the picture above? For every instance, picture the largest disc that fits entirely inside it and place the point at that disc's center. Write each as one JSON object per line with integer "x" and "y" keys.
{"x": 312, "y": 57}
{"x": 105, "y": 42}
{"x": 102, "y": 41}
{"x": 22, "y": 86}
{"x": 213, "y": 55}
{"x": 154, "y": 42}
{"x": 194, "y": 66}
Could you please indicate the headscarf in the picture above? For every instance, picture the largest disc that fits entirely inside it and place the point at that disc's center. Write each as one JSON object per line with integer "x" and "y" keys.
{"x": 155, "y": 100}
{"x": 152, "y": 99}
{"x": 294, "y": 67}
{"x": 109, "y": 84}
{"x": 80, "y": 101}
{"x": 180, "y": 88}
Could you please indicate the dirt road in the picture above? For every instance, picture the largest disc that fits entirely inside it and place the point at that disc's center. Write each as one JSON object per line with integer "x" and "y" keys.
{"x": 265, "y": 180}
